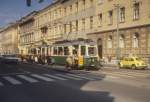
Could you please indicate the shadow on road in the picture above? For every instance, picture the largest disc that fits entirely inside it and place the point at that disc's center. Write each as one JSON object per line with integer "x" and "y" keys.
{"x": 57, "y": 91}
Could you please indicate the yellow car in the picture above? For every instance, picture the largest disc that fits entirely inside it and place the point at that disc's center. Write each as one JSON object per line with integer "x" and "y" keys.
{"x": 133, "y": 63}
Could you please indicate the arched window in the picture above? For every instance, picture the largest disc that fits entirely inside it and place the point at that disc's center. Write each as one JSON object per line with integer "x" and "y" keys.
{"x": 121, "y": 41}
{"x": 135, "y": 40}
{"x": 109, "y": 42}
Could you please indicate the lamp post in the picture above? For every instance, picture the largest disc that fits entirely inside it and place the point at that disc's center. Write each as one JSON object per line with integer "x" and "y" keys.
{"x": 117, "y": 6}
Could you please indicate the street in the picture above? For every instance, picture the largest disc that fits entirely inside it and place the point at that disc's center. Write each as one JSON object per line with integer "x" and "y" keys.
{"x": 39, "y": 83}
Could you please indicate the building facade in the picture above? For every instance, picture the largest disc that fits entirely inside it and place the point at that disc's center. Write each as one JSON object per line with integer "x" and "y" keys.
{"x": 120, "y": 27}
{"x": 27, "y": 33}
{"x": 9, "y": 39}
{"x": 133, "y": 20}
{"x": 99, "y": 20}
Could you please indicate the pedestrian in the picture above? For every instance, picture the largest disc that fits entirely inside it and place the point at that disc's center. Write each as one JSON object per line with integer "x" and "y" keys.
{"x": 69, "y": 62}
{"x": 36, "y": 59}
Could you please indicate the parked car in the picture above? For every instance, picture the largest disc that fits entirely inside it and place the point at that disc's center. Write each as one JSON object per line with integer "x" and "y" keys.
{"x": 1, "y": 58}
{"x": 133, "y": 63}
{"x": 10, "y": 59}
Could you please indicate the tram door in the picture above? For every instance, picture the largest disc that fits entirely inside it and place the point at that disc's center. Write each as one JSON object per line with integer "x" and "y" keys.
{"x": 43, "y": 51}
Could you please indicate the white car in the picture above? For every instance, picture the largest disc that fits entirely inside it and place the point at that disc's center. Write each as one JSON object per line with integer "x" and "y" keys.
{"x": 10, "y": 59}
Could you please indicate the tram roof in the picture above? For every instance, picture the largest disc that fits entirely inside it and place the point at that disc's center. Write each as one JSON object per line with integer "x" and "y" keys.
{"x": 75, "y": 42}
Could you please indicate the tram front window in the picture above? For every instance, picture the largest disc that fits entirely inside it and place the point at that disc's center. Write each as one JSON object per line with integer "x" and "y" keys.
{"x": 66, "y": 51}
{"x": 92, "y": 51}
{"x": 83, "y": 50}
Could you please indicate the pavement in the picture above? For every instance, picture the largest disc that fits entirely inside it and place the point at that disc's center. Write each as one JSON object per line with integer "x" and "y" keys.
{"x": 43, "y": 83}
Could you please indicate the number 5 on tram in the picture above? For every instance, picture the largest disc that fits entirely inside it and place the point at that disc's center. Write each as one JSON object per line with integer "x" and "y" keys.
{"x": 83, "y": 53}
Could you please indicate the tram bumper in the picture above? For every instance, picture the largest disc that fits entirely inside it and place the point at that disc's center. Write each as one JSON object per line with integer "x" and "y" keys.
{"x": 92, "y": 63}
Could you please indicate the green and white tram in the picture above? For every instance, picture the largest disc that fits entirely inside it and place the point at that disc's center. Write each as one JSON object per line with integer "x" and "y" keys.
{"x": 84, "y": 53}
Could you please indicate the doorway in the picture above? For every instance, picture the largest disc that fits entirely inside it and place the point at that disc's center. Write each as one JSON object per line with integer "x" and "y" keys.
{"x": 100, "y": 48}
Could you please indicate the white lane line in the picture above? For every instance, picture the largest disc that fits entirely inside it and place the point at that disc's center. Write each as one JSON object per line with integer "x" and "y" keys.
{"x": 12, "y": 80}
{"x": 113, "y": 77}
{"x": 41, "y": 77}
{"x": 81, "y": 77}
{"x": 29, "y": 79}
{"x": 1, "y": 84}
{"x": 56, "y": 77}
{"x": 69, "y": 77}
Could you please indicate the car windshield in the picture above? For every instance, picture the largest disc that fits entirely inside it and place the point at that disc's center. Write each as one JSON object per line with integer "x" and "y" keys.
{"x": 139, "y": 59}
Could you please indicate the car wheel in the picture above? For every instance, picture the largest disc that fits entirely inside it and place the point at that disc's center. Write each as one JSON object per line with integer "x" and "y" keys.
{"x": 133, "y": 67}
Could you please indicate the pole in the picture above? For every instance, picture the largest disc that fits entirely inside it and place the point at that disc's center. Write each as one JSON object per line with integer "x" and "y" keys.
{"x": 118, "y": 35}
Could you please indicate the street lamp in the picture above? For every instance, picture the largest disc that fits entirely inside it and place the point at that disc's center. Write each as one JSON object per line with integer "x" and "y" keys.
{"x": 117, "y": 6}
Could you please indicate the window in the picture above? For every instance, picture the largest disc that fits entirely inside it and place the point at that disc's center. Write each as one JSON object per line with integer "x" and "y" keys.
{"x": 92, "y": 51}
{"x": 122, "y": 14}
{"x": 83, "y": 50}
{"x": 83, "y": 24}
{"x": 100, "y": 19}
{"x": 76, "y": 6}
{"x": 91, "y": 22}
{"x": 76, "y": 25}
{"x": 100, "y": 1}
{"x": 136, "y": 11}
{"x": 66, "y": 51}
{"x": 121, "y": 41}
{"x": 70, "y": 8}
{"x": 135, "y": 40}
{"x": 91, "y": 2}
{"x": 83, "y": 1}
{"x": 110, "y": 16}
{"x": 65, "y": 11}
{"x": 56, "y": 14}
{"x": 70, "y": 26}
{"x": 55, "y": 50}
{"x": 60, "y": 12}
{"x": 109, "y": 43}
{"x": 60, "y": 51}
{"x": 65, "y": 28}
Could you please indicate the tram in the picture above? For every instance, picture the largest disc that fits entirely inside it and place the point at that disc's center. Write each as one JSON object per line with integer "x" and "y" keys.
{"x": 83, "y": 52}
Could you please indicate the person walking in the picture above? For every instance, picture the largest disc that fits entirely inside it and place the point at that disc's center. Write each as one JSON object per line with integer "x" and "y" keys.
{"x": 69, "y": 62}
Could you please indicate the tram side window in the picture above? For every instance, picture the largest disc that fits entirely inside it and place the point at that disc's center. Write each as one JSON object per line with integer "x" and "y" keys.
{"x": 83, "y": 50}
{"x": 75, "y": 49}
{"x": 66, "y": 51}
{"x": 43, "y": 51}
{"x": 91, "y": 50}
{"x": 60, "y": 51}
{"x": 55, "y": 50}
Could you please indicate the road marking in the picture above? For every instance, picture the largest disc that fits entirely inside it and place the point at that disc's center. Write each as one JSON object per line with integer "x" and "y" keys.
{"x": 69, "y": 77}
{"x": 132, "y": 74}
{"x": 56, "y": 77}
{"x": 139, "y": 74}
{"x": 41, "y": 77}
{"x": 12, "y": 80}
{"x": 113, "y": 77}
{"x": 81, "y": 77}
{"x": 117, "y": 74}
{"x": 29, "y": 79}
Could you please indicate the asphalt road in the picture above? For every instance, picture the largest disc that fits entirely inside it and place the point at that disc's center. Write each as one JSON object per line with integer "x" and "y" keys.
{"x": 37, "y": 83}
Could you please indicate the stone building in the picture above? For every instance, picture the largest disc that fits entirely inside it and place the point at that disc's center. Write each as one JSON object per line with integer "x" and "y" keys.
{"x": 26, "y": 33}
{"x": 8, "y": 39}
{"x": 97, "y": 19}
{"x": 133, "y": 24}
{"x": 94, "y": 19}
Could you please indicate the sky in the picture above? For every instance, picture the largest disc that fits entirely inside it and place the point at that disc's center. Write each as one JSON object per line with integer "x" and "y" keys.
{"x": 12, "y": 10}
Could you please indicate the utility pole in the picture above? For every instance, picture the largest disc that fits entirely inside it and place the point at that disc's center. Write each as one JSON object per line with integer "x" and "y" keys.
{"x": 117, "y": 6}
